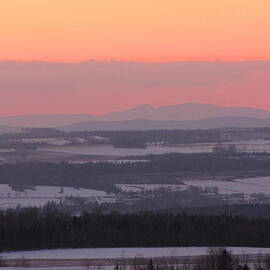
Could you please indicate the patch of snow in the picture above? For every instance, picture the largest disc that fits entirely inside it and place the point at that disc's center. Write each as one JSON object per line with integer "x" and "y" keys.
{"x": 136, "y": 188}
{"x": 40, "y": 195}
{"x": 246, "y": 186}
{"x": 110, "y": 253}
{"x": 109, "y": 150}
{"x": 50, "y": 141}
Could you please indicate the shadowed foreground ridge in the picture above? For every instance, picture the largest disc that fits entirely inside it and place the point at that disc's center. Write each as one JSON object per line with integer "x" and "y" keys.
{"x": 35, "y": 229}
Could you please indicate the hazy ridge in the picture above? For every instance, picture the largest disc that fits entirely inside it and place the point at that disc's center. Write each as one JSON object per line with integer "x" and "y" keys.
{"x": 183, "y": 116}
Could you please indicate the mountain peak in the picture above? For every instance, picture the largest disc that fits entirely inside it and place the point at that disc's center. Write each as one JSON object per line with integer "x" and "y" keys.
{"x": 180, "y": 112}
{"x": 144, "y": 106}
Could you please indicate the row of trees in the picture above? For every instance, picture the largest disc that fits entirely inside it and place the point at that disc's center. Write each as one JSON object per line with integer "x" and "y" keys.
{"x": 141, "y": 137}
{"x": 42, "y": 229}
{"x": 162, "y": 169}
{"x": 171, "y": 136}
{"x": 138, "y": 138}
{"x": 105, "y": 175}
{"x": 216, "y": 259}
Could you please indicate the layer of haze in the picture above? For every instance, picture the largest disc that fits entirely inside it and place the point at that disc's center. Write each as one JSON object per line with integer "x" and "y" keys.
{"x": 98, "y": 87}
{"x": 139, "y": 48}
{"x": 141, "y": 30}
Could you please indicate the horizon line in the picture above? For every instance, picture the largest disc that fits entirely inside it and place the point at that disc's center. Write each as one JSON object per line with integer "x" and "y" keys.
{"x": 130, "y": 108}
{"x": 158, "y": 61}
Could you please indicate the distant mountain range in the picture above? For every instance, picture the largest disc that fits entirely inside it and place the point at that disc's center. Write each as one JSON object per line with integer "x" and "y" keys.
{"x": 188, "y": 115}
{"x": 144, "y": 124}
{"x": 183, "y": 112}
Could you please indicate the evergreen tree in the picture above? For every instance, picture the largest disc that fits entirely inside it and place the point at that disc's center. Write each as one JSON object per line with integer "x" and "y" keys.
{"x": 225, "y": 261}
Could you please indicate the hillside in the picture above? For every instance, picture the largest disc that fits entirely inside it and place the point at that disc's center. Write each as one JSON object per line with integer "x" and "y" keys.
{"x": 182, "y": 112}
{"x": 144, "y": 124}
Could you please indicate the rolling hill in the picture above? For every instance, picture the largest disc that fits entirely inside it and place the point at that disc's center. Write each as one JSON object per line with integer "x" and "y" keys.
{"x": 188, "y": 115}
{"x": 144, "y": 124}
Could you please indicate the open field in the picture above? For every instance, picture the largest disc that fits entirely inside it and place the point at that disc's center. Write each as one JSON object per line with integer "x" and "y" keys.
{"x": 115, "y": 253}
{"x": 247, "y": 186}
{"x": 109, "y": 257}
{"x": 40, "y": 195}
{"x": 138, "y": 188}
{"x": 109, "y": 150}
{"x": 109, "y": 153}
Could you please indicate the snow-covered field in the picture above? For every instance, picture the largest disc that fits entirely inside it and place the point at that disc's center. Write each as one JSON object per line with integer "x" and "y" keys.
{"x": 6, "y": 203}
{"x": 40, "y": 195}
{"x": 248, "y": 186}
{"x": 50, "y": 141}
{"x": 49, "y": 191}
{"x": 109, "y": 150}
{"x": 112, "y": 253}
{"x": 252, "y": 145}
{"x": 113, "y": 161}
{"x": 137, "y": 188}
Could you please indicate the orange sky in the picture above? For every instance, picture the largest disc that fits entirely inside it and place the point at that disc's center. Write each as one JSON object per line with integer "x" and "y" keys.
{"x": 132, "y": 30}
{"x": 148, "y": 30}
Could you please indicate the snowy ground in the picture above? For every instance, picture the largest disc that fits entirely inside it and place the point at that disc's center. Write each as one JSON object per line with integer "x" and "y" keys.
{"x": 40, "y": 195}
{"x": 49, "y": 191}
{"x": 113, "y": 253}
{"x": 137, "y": 188}
{"x": 248, "y": 186}
{"x": 50, "y": 141}
{"x": 109, "y": 150}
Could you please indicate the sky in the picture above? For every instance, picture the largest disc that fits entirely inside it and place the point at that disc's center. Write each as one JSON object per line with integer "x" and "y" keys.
{"x": 141, "y": 30}
{"x": 67, "y": 56}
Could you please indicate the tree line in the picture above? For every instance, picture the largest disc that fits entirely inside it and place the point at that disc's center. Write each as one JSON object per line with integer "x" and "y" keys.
{"x": 30, "y": 229}
{"x": 106, "y": 175}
